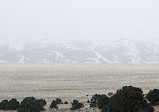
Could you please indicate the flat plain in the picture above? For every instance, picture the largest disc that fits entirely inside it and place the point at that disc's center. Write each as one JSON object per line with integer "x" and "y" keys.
{"x": 69, "y": 81}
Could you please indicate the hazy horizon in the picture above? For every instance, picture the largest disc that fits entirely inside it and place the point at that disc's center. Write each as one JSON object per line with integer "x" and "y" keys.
{"x": 32, "y": 20}
{"x": 79, "y": 31}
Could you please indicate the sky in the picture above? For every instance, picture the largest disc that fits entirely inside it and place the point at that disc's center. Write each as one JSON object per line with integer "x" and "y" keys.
{"x": 31, "y": 20}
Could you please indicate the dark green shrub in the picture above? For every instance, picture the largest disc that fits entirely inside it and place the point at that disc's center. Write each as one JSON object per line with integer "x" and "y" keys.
{"x": 42, "y": 102}
{"x": 110, "y": 94}
{"x": 65, "y": 102}
{"x": 3, "y": 104}
{"x": 99, "y": 101}
{"x": 153, "y": 97}
{"x": 104, "y": 109}
{"x": 75, "y": 102}
{"x": 13, "y": 104}
{"x": 54, "y": 104}
{"x": 76, "y": 105}
{"x": 128, "y": 99}
{"x": 58, "y": 101}
{"x": 30, "y": 104}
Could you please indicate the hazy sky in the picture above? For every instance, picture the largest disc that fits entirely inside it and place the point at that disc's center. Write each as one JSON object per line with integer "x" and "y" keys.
{"x": 26, "y": 20}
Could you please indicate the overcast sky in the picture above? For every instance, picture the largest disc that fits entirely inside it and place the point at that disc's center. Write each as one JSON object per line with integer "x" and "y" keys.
{"x": 27, "y": 20}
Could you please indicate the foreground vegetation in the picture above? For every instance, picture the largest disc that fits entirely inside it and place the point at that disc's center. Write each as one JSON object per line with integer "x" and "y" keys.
{"x": 126, "y": 99}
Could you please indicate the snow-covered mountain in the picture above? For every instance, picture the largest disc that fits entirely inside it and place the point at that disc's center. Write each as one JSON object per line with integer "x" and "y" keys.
{"x": 118, "y": 51}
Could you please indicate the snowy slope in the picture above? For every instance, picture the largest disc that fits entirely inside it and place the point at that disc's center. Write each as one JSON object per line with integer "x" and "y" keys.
{"x": 118, "y": 51}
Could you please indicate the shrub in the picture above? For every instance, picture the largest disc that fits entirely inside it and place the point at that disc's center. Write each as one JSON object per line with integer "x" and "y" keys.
{"x": 13, "y": 104}
{"x": 3, "y": 104}
{"x": 65, "y": 102}
{"x": 54, "y": 104}
{"x": 30, "y": 104}
{"x": 99, "y": 101}
{"x": 76, "y": 105}
{"x": 42, "y": 102}
{"x": 104, "y": 109}
{"x": 58, "y": 101}
{"x": 75, "y": 102}
{"x": 128, "y": 99}
{"x": 153, "y": 97}
{"x": 110, "y": 94}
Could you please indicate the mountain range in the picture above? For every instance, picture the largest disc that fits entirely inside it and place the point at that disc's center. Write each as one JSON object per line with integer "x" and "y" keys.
{"x": 116, "y": 51}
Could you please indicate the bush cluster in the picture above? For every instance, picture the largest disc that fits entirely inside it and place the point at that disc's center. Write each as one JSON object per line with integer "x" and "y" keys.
{"x": 54, "y": 103}
{"x": 76, "y": 105}
{"x": 99, "y": 101}
{"x": 127, "y": 99}
{"x": 153, "y": 97}
{"x": 13, "y": 104}
{"x": 30, "y": 104}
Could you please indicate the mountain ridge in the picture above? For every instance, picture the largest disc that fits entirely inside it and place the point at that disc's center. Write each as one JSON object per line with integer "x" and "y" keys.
{"x": 116, "y": 51}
